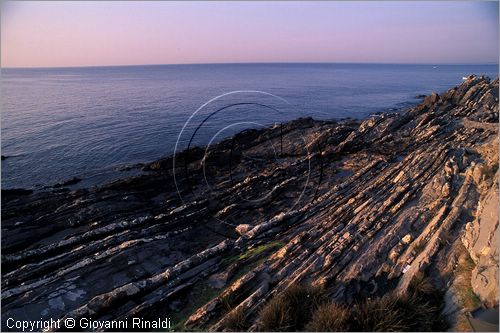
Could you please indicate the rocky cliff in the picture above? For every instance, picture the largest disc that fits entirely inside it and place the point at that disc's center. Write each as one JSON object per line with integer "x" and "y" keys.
{"x": 359, "y": 208}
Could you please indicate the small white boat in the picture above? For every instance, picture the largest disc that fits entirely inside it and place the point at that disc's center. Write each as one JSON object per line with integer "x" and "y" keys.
{"x": 464, "y": 77}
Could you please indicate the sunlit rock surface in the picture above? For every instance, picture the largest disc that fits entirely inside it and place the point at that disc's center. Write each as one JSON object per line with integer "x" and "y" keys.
{"x": 357, "y": 207}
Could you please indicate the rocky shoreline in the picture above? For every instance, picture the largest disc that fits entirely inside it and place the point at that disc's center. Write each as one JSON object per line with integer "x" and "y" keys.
{"x": 359, "y": 208}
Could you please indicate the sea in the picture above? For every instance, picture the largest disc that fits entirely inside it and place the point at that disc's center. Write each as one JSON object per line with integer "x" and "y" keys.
{"x": 97, "y": 123}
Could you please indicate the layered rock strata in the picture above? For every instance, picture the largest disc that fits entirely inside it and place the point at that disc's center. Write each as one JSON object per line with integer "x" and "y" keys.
{"x": 357, "y": 207}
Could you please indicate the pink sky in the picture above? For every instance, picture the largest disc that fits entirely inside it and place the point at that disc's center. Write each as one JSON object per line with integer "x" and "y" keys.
{"x": 53, "y": 34}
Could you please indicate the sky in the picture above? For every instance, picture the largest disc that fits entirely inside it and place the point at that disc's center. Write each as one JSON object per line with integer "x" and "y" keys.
{"x": 61, "y": 34}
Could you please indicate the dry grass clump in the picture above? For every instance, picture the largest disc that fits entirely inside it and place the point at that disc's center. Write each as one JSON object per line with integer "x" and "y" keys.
{"x": 377, "y": 315}
{"x": 329, "y": 317}
{"x": 390, "y": 313}
{"x": 235, "y": 321}
{"x": 393, "y": 312}
{"x": 291, "y": 310}
{"x": 299, "y": 308}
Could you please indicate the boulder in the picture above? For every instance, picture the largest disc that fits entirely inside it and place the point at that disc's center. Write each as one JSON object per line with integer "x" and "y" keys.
{"x": 243, "y": 229}
{"x": 431, "y": 99}
{"x": 481, "y": 240}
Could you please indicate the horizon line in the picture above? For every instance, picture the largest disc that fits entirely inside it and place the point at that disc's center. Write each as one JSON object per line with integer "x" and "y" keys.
{"x": 257, "y": 63}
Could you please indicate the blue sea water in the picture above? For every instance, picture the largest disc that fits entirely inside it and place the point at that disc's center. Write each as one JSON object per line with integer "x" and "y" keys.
{"x": 59, "y": 123}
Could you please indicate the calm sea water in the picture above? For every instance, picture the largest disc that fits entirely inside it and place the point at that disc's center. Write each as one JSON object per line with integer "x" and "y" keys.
{"x": 86, "y": 122}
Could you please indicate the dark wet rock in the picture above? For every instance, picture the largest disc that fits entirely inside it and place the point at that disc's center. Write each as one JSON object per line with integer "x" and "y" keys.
{"x": 431, "y": 99}
{"x": 358, "y": 207}
{"x": 4, "y": 157}
{"x": 69, "y": 182}
{"x": 130, "y": 167}
{"x": 8, "y": 194}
